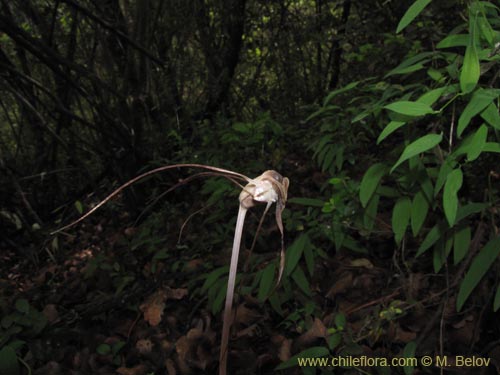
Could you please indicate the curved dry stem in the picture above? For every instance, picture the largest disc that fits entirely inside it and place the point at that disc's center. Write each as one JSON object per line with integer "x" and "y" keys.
{"x": 222, "y": 171}
{"x": 183, "y": 182}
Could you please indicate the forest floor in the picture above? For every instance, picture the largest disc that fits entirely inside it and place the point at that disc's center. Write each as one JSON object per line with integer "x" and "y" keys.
{"x": 102, "y": 306}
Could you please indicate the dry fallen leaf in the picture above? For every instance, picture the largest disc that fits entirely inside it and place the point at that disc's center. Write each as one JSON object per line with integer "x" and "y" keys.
{"x": 51, "y": 313}
{"x": 153, "y": 307}
{"x": 144, "y": 346}
{"x": 136, "y": 370}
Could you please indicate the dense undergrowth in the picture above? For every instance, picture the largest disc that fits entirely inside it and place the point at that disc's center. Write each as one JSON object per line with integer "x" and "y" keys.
{"x": 391, "y": 232}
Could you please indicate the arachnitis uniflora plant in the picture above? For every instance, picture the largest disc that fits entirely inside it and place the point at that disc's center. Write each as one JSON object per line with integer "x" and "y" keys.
{"x": 270, "y": 187}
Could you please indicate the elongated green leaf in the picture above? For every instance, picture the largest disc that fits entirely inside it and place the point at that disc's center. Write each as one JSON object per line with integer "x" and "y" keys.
{"x": 400, "y": 218}
{"x": 477, "y": 144}
{"x": 444, "y": 171}
{"x": 334, "y": 93}
{"x": 411, "y": 63}
{"x": 450, "y": 198}
{"x": 370, "y": 182}
{"x": 430, "y": 97}
{"x": 213, "y": 277}
{"x": 266, "y": 282}
{"x": 409, "y": 352}
{"x": 492, "y": 147}
{"x": 471, "y": 70}
{"x": 420, "y": 145}
{"x": 8, "y": 361}
{"x": 408, "y": 108}
{"x": 413, "y": 11}
{"x": 480, "y": 265}
{"x": 461, "y": 242}
{"x": 491, "y": 116}
{"x": 496, "y": 302}
{"x": 479, "y": 101}
{"x": 371, "y": 212}
{"x": 314, "y": 352}
{"x": 469, "y": 209}
{"x": 294, "y": 253}
{"x": 455, "y": 40}
{"x": 389, "y": 129}
{"x": 301, "y": 280}
{"x": 434, "y": 234}
{"x": 419, "y": 209}
{"x": 441, "y": 251}
{"x": 313, "y": 202}
{"x": 407, "y": 69}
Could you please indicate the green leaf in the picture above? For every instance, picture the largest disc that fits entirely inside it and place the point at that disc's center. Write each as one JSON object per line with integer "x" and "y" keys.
{"x": 334, "y": 93}
{"x": 491, "y": 116}
{"x": 294, "y": 253}
{"x": 455, "y": 40}
{"x": 8, "y": 361}
{"x": 371, "y": 212}
{"x": 413, "y": 11}
{"x": 300, "y": 279}
{"x": 22, "y": 305}
{"x": 370, "y": 182}
{"x": 314, "y": 352}
{"x": 400, "y": 218}
{"x": 419, "y": 209}
{"x": 434, "y": 234}
{"x": 309, "y": 257}
{"x": 312, "y": 202}
{"x": 409, "y": 108}
{"x": 79, "y": 207}
{"x": 213, "y": 277}
{"x": 103, "y": 349}
{"x": 410, "y": 62}
{"x": 420, "y": 145}
{"x": 469, "y": 209}
{"x": 477, "y": 144}
{"x": 471, "y": 70}
{"x": 492, "y": 147}
{"x": 480, "y": 265}
{"x": 444, "y": 171}
{"x": 389, "y": 129}
{"x": 441, "y": 251}
{"x": 266, "y": 282}
{"x": 461, "y": 242}
{"x": 479, "y": 101}
{"x": 430, "y": 97}
{"x": 409, "y": 352}
{"x": 450, "y": 198}
{"x": 496, "y": 302}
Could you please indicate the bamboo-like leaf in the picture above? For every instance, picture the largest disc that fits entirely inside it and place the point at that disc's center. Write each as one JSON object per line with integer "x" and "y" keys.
{"x": 461, "y": 242}
{"x": 419, "y": 209}
{"x": 266, "y": 282}
{"x": 294, "y": 253}
{"x": 450, "y": 198}
{"x": 420, "y": 145}
{"x": 471, "y": 70}
{"x": 496, "y": 301}
{"x": 479, "y": 101}
{"x": 409, "y": 108}
{"x": 400, "y": 218}
{"x": 413, "y": 11}
{"x": 370, "y": 182}
{"x": 431, "y": 238}
{"x": 491, "y": 116}
{"x": 301, "y": 280}
{"x": 389, "y": 129}
{"x": 477, "y": 144}
{"x": 455, "y": 40}
{"x": 409, "y": 352}
{"x": 480, "y": 265}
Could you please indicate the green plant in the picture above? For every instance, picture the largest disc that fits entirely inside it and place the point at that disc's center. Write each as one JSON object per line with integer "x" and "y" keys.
{"x": 23, "y": 323}
{"x": 437, "y": 119}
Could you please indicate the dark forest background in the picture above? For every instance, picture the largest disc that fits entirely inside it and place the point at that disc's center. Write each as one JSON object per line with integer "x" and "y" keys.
{"x": 383, "y": 115}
